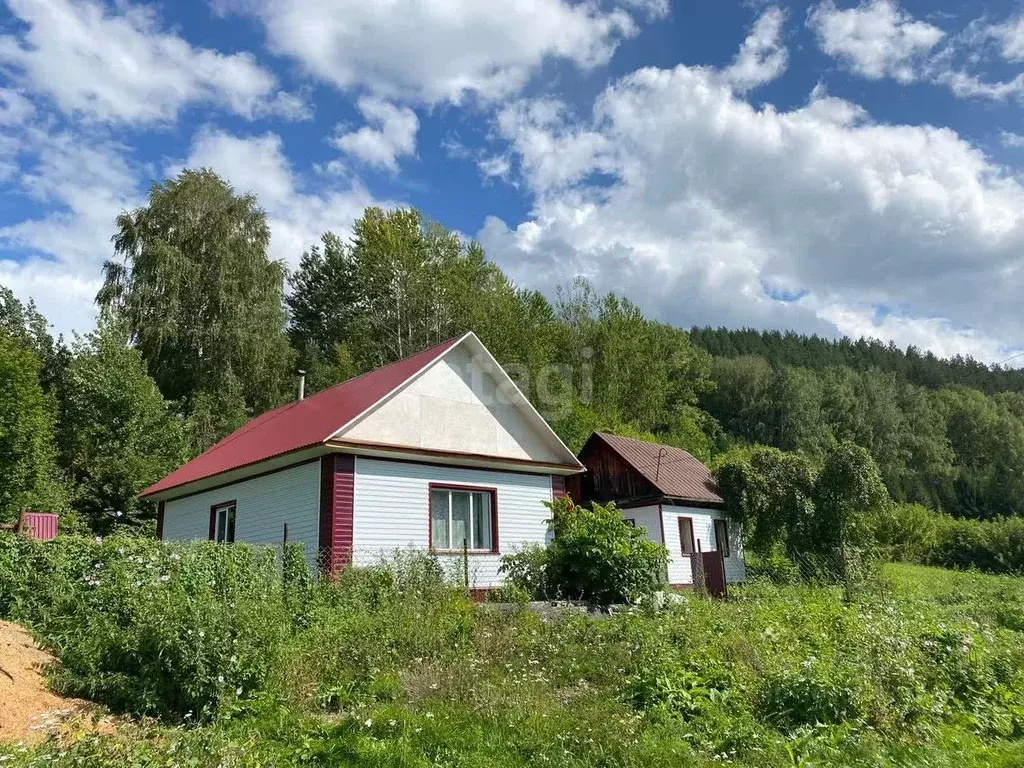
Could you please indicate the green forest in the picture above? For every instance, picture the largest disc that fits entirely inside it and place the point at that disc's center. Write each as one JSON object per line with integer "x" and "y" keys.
{"x": 200, "y": 330}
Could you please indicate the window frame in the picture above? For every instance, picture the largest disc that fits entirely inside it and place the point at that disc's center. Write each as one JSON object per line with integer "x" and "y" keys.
{"x": 215, "y": 510}
{"x": 722, "y": 541}
{"x": 693, "y": 541}
{"x": 491, "y": 490}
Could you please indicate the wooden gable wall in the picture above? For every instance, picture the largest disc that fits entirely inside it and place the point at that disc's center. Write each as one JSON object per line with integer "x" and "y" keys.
{"x": 610, "y": 478}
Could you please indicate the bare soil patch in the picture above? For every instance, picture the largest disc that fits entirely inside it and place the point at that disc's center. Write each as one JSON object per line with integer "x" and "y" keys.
{"x": 29, "y": 710}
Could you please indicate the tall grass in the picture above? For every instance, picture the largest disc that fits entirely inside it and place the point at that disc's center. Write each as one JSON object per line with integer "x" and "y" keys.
{"x": 391, "y": 666}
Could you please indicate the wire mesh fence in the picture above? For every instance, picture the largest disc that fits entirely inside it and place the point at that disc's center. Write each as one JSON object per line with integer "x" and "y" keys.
{"x": 851, "y": 569}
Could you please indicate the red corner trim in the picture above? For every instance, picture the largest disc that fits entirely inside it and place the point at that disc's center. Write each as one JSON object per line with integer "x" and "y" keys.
{"x": 557, "y": 487}
{"x": 337, "y": 506}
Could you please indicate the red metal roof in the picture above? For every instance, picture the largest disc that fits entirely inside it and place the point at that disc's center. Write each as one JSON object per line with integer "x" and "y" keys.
{"x": 673, "y": 471}
{"x": 300, "y": 424}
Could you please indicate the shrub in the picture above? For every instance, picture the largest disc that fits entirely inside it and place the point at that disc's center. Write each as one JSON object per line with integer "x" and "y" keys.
{"x": 150, "y": 627}
{"x": 774, "y": 567}
{"x": 528, "y": 571}
{"x": 594, "y": 556}
{"x": 905, "y": 532}
{"x": 995, "y": 546}
{"x": 665, "y": 689}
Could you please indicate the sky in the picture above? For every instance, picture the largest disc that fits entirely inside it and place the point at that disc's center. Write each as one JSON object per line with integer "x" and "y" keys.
{"x": 828, "y": 167}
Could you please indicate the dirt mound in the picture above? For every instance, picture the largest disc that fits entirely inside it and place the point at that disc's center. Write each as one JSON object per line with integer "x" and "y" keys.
{"x": 29, "y": 711}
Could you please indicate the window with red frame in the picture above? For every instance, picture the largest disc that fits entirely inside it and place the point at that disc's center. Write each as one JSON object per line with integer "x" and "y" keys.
{"x": 686, "y": 536}
{"x": 462, "y": 518}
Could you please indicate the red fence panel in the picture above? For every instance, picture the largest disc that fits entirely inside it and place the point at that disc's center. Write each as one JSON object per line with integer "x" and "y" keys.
{"x": 39, "y": 525}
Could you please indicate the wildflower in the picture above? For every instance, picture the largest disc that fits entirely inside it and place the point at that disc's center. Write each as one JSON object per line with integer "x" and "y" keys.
{"x": 165, "y": 578}
{"x": 368, "y": 722}
{"x": 238, "y": 691}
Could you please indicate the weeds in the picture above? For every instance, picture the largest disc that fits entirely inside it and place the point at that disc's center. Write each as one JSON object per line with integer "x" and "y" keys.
{"x": 392, "y": 666}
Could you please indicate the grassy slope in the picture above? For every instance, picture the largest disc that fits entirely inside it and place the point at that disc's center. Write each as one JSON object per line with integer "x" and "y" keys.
{"x": 998, "y": 600}
{"x": 411, "y": 682}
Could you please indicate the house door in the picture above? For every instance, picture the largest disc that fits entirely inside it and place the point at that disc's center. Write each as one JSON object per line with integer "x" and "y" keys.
{"x": 713, "y": 572}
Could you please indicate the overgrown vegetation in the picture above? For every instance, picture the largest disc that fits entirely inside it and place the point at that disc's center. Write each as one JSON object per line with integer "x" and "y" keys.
{"x": 911, "y": 533}
{"x": 593, "y": 555}
{"x": 814, "y": 516}
{"x": 391, "y": 666}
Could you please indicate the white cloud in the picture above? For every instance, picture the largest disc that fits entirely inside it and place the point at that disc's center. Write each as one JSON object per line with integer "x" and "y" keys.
{"x": 390, "y": 133}
{"x": 875, "y": 39}
{"x": 1011, "y": 140}
{"x": 494, "y": 166}
{"x": 654, "y": 9}
{"x": 437, "y": 50}
{"x": 1010, "y": 35}
{"x": 970, "y": 86}
{"x": 762, "y": 57}
{"x": 680, "y": 193}
{"x": 932, "y": 333}
{"x": 84, "y": 183}
{"x": 553, "y": 151}
{"x": 257, "y": 164}
{"x": 121, "y": 66}
{"x": 14, "y": 107}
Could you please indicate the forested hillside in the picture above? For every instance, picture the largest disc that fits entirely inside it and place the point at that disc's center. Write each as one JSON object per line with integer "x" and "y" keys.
{"x": 813, "y": 351}
{"x": 200, "y": 330}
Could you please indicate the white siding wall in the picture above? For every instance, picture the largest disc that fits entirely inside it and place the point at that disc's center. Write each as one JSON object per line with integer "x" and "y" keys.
{"x": 646, "y": 518}
{"x": 679, "y": 566}
{"x": 392, "y": 512}
{"x": 263, "y": 506}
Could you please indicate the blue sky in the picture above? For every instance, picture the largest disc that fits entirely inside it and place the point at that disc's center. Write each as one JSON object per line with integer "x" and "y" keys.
{"x": 832, "y": 167}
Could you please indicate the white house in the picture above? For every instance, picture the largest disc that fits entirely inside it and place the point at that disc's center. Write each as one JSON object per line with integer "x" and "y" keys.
{"x": 438, "y": 451}
{"x": 672, "y": 496}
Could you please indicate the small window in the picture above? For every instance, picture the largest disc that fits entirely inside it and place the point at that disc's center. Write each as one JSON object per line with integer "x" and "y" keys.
{"x": 722, "y": 536}
{"x": 686, "y": 535}
{"x": 461, "y": 518}
{"x": 629, "y": 521}
{"x": 224, "y": 523}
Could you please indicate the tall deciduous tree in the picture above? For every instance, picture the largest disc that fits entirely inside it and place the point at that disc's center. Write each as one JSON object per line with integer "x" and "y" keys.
{"x": 123, "y": 435}
{"x": 201, "y": 298}
{"x": 28, "y": 471}
{"x": 399, "y": 286}
{"x": 420, "y": 284}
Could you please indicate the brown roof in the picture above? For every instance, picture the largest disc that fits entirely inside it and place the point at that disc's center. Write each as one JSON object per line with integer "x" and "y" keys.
{"x": 677, "y": 474}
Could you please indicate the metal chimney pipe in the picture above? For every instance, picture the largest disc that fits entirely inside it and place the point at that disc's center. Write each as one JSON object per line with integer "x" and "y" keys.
{"x": 302, "y": 384}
